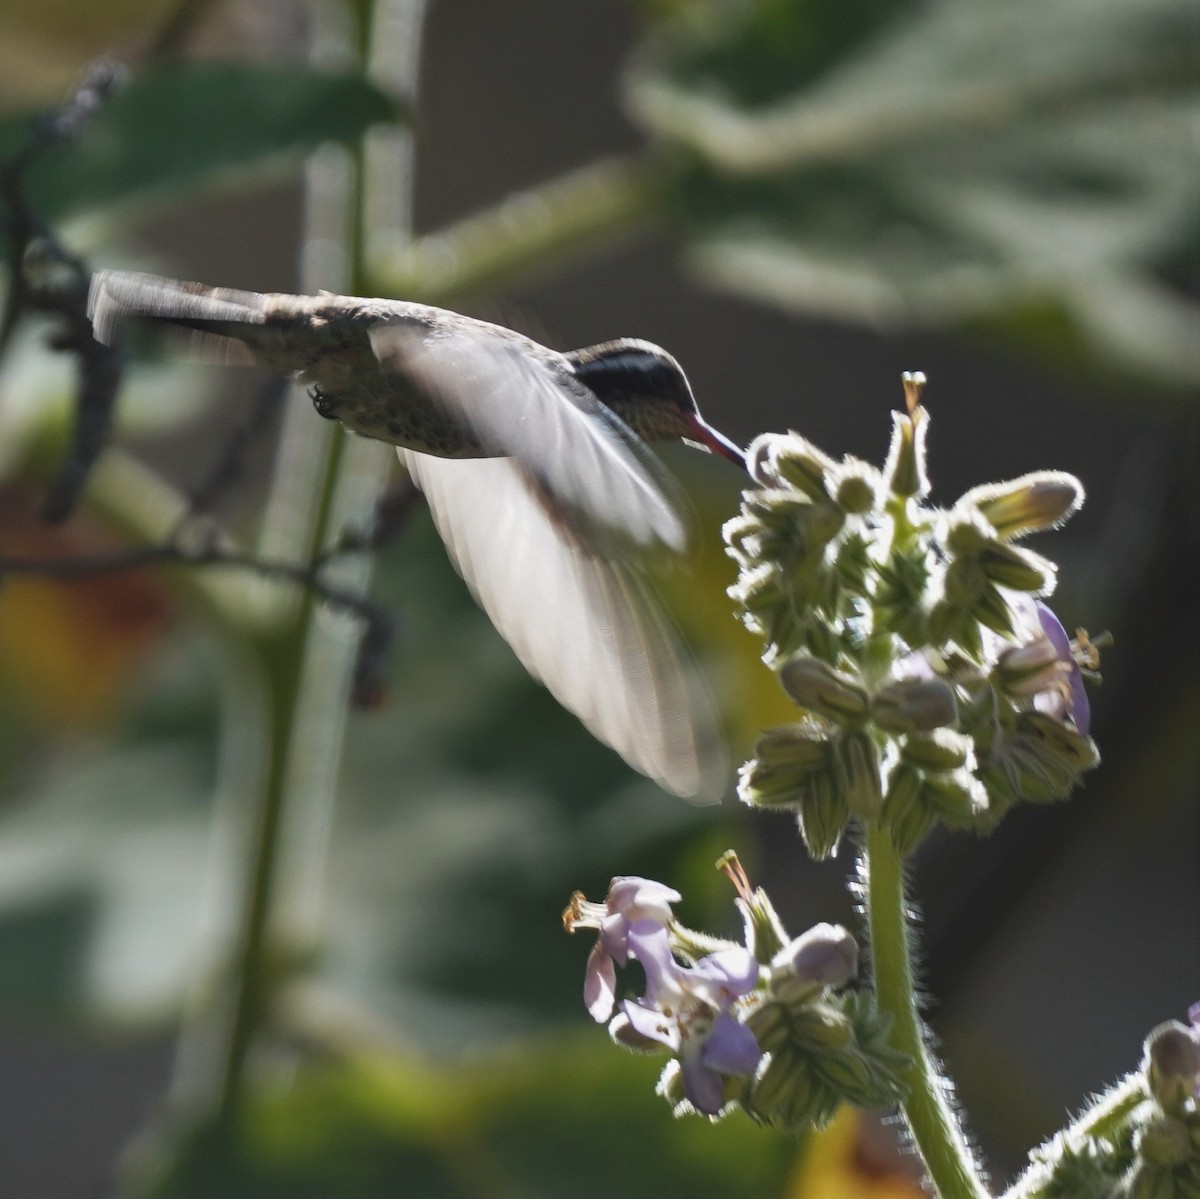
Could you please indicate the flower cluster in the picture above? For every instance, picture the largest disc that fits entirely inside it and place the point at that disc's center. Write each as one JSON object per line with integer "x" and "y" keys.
{"x": 933, "y": 682}
{"x": 766, "y": 1025}
{"x": 1142, "y": 1141}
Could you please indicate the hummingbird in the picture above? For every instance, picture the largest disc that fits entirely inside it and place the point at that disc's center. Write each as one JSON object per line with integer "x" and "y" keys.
{"x": 536, "y": 469}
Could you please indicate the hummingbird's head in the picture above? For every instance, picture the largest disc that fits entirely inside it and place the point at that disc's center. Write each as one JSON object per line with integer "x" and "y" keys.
{"x": 643, "y": 385}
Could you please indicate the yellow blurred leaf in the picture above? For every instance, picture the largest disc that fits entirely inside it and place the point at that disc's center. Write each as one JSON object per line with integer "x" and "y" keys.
{"x": 856, "y": 1157}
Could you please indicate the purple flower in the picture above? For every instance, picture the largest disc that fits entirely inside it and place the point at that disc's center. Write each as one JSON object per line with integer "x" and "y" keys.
{"x": 686, "y": 1009}
{"x": 1043, "y": 666}
{"x": 630, "y": 900}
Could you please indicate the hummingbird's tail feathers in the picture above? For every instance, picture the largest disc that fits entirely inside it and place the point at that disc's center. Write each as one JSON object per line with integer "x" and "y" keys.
{"x": 216, "y": 317}
{"x": 596, "y": 478}
{"x": 588, "y": 627}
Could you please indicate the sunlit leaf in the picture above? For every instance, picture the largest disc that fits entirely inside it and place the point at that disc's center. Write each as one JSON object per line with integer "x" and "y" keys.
{"x": 957, "y": 161}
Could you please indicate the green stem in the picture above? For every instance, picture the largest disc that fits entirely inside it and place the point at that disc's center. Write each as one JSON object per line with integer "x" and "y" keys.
{"x": 927, "y": 1110}
{"x": 524, "y": 234}
{"x": 282, "y": 653}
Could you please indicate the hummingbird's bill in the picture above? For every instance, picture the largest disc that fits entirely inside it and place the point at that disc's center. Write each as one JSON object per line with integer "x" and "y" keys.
{"x": 536, "y": 467}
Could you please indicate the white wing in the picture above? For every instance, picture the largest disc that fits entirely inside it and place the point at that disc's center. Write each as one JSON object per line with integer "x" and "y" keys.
{"x": 587, "y": 627}
{"x": 597, "y": 478}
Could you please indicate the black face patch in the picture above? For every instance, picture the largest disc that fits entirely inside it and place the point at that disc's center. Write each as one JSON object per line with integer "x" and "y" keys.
{"x": 630, "y": 373}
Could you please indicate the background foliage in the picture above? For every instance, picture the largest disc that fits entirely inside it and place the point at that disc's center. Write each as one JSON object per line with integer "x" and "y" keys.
{"x": 799, "y": 200}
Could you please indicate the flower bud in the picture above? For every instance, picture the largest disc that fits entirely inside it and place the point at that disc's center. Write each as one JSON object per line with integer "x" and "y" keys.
{"x": 778, "y": 1086}
{"x": 759, "y": 589}
{"x": 794, "y": 460}
{"x": 965, "y": 582}
{"x": 855, "y": 487}
{"x": 1024, "y": 670}
{"x": 765, "y": 934}
{"x": 770, "y": 1026}
{"x": 856, "y": 771}
{"x": 905, "y": 472}
{"x": 941, "y": 749}
{"x": 1150, "y": 1182}
{"x": 815, "y": 685}
{"x": 764, "y": 786}
{"x": 793, "y": 745}
{"x": 957, "y": 798}
{"x": 822, "y": 1027}
{"x": 822, "y": 817}
{"x": 825, "y": 956}
{"x": 1041, "y": 500}
{"x": 1172, "y": 1064}
{"x": 1164, "y": 1142}
{"x": 1017, "y": 569}
{"x": 914, "y": 705}
{"x": 906, "y": 814}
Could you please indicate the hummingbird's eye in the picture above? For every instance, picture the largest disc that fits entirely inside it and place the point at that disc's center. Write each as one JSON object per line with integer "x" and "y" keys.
{"x": 324, "y": 403}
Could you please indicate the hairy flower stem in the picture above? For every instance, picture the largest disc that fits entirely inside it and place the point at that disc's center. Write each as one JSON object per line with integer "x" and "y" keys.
{"x": 927, "y": 1110}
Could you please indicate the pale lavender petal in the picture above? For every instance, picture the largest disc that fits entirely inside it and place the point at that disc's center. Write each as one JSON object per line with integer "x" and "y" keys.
{"x": 704, "y": 1087}
{"x": 1079, "y": 706}
{"x": 650, "y": 898}
{"x": 730, "y": 1048}
{"x": 826, "y": 955}
{"x": 724, "y": 975}
{"x": 599, "y": 984}
{"x": 651, "y": 1024}
{"x": 651, "y": 946}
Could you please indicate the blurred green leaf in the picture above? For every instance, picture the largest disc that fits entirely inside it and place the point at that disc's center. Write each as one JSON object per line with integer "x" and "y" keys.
{"x": 958, "y": 164}
{"x": 177, "y": 127}
{"x": 554, "y": 1118}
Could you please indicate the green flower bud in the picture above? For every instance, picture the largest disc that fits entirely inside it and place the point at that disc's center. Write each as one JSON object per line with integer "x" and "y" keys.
{"x": 906, "y": 815}
{"x": 763, "y": 786}
{"x": 781, "y": 1082}
{"x": 765, "y": 934}
{"x": 822, "y": 816}
{"x": 1164, "y": 1142}
{"x": 794, "y": 460}
{"x": 1151, "y": 1182}
{"x": 991, "y": 610}
{"x": 941, "y": 749}
{"x": 759, "y": 589}
{"x": 770, "y": 1026}
{"x": 914, "y": 705}
{"x": 801, "y": 745}
{"x": 965, "y": 582}
{"x": 1076, "y": 752}
{"x": 855, "y": 487}
{"x": 815, "y": 685}
{"x": 957, "y": 798}
{"x": 905, "y": 472}
{"x": 820, "y": 1027}
{"x": 1041, "y": 500}
{"x": 1017, "y": 569}
{"x": 848, "y": 1074}
{"x": 856, "y": 773}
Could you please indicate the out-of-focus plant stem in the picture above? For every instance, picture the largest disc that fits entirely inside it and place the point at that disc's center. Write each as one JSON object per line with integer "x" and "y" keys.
{"x": 927, "y": 1109}
{"x": 525, "y": 234}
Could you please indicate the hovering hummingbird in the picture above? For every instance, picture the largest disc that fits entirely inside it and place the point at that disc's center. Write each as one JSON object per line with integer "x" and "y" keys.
{"x": 536, "y": 470}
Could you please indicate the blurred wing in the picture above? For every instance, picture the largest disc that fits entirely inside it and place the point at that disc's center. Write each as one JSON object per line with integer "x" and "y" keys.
{"x": 595, "y": 476}
{"x": 590, "y": 629}
{"x": 219, "y": 319}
